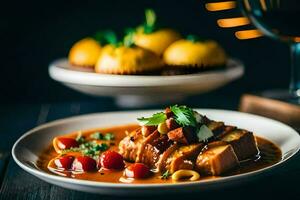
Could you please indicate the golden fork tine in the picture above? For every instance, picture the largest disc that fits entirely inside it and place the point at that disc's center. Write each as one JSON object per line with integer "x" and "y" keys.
{"x": 248, "y": 34}
{"x": 233, "y": 22}
{"x": 218, "y": 6}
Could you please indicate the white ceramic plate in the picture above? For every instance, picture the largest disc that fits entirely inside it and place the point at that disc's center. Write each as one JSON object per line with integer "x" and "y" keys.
{"x": 26, "y": 150}
{"x": 116, "y": 85}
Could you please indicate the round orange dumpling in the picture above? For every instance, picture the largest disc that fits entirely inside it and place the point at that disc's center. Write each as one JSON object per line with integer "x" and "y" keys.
{"x": 194, "y": 54}
{"x": 127, "y": 60}
{"x": 156, "y": 41}
{"x": 85, "y": 53}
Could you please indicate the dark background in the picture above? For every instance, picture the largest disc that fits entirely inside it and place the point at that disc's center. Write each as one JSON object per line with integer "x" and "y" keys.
{"x": 34, "y": 33}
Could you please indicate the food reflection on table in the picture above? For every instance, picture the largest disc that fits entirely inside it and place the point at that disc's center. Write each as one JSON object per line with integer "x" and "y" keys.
{"x": 177, "y": 145}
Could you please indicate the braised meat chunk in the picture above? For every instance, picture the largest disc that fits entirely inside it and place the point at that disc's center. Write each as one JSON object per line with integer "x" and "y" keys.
{"x": 183, "y": 135}
{"x": 133, "y": 145}
{"x": 183, "y": 158}
{"x": 154, "y": 150}
{"x": 243, "y": 143}
{"x": 216, "y": 160}
{"x": 128, "y": 147}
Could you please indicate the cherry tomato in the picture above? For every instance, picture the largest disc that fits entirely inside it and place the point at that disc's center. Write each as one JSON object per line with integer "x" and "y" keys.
{"x": 137, "y": 170}
{"x": 64, "y": 162}
{"x": 84, "y": 163}
{"x": 66, "y": 143}
{"x": 111, "y": 160}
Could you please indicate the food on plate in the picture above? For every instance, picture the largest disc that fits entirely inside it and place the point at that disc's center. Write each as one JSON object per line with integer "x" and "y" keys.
{"x": 84, "y": 163}
{"x": 149, "y": 37}
{"x": 127, "y": 60}
{"x": 216, "y": 160}
{"x": 85, "y": 53}
{"x": 192, "y": 53}
{"x": 147, "y": 50}
{"x": 184, "y": 173}
{"x": 111, "y": 160}
{"x": 178, "y": 144}
{"x": 138, "y": 171}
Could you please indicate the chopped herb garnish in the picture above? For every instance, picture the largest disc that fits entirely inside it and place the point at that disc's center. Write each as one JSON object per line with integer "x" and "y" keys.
{"x": 88, "y": 152}
{"x": 150, "y": 20}
{"x": 165, "y": 175}
{"x": 100, "y": 147}
{"x": 128, "y": 40}
{"x": 90, "y": 148}
{"x": 107, "y": 37}
{"x": 204, "y": 133}
{"x": 110, "y": 37}
{"x": 97, "y": 136}
{"x": 80, "y": 139}
{"x": 101, "y": 136}
{"x": 154, "y": 120}
{"x": 184, "y": 115}
{"x": 192, "y": 38}
{"x": 109, "y": 136}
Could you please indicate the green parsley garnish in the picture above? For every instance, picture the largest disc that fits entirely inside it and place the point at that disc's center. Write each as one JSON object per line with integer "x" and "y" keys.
{"x": 88, "y": 152}
{"x": 107, "y": 37}
{"x": 192, "y": 38}
{"x": 109, "y": 136}
{"x": 80, "y": 139}
{"x": 110, "y": 37}
{"x": 128, "y": 40}
{"x": 91, "y": 148}
{"x": 100, "y": 147}
{"x": 204, "y": 133}
{"x": 150, "y": 20}
{"x": 101, "y": 136}
{"x": 97, "y": 136}
{"x": 154, "y": 120}
{"x": 184, "y": 115}
{"x": 165, "y": 175}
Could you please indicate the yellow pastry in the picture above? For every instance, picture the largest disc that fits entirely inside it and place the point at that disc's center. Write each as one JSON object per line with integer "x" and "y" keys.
{"x": 156, "y": 41}
{"x": 127, "y": 60}
{"x": 149, "y": 37}
{"x": 85, "y": 53}
{"x": 194, "y": 54}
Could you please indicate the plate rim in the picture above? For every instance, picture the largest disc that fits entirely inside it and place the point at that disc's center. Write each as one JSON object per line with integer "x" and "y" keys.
{"x": 44, "y": 175}
{"x": 71, "y": 76}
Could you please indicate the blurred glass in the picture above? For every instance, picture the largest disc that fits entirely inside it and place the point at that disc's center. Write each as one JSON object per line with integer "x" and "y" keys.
{"x": 279, "y": 19}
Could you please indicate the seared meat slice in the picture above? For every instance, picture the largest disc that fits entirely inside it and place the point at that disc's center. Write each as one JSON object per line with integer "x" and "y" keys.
{"x": 243, "y": 143}
{"x": 225, "y": 130}
{"x": 216, "y": 159}
{"x": 183, "y": 157}
{"x": 162, "y": 162}
{"x": 183, "y": 135}
{"x": 153, "y": 150}
{"x": 218, "y": 128}
{"x": 132, "y": 146}
{"x": 147, "y": 130}
{"x": 169, "y": 113}
{"x": 215, "y": 127}
{"x": 171, "y": 124}
{"x": 147, "y": 140}
{"x": 128, "y": 147}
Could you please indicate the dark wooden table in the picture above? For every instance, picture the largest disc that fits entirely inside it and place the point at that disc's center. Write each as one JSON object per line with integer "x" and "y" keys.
{"x": 283, "y": 182}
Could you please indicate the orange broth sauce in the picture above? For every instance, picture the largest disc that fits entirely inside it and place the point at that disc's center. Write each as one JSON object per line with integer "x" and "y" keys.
{"x": 269, "y": 155}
